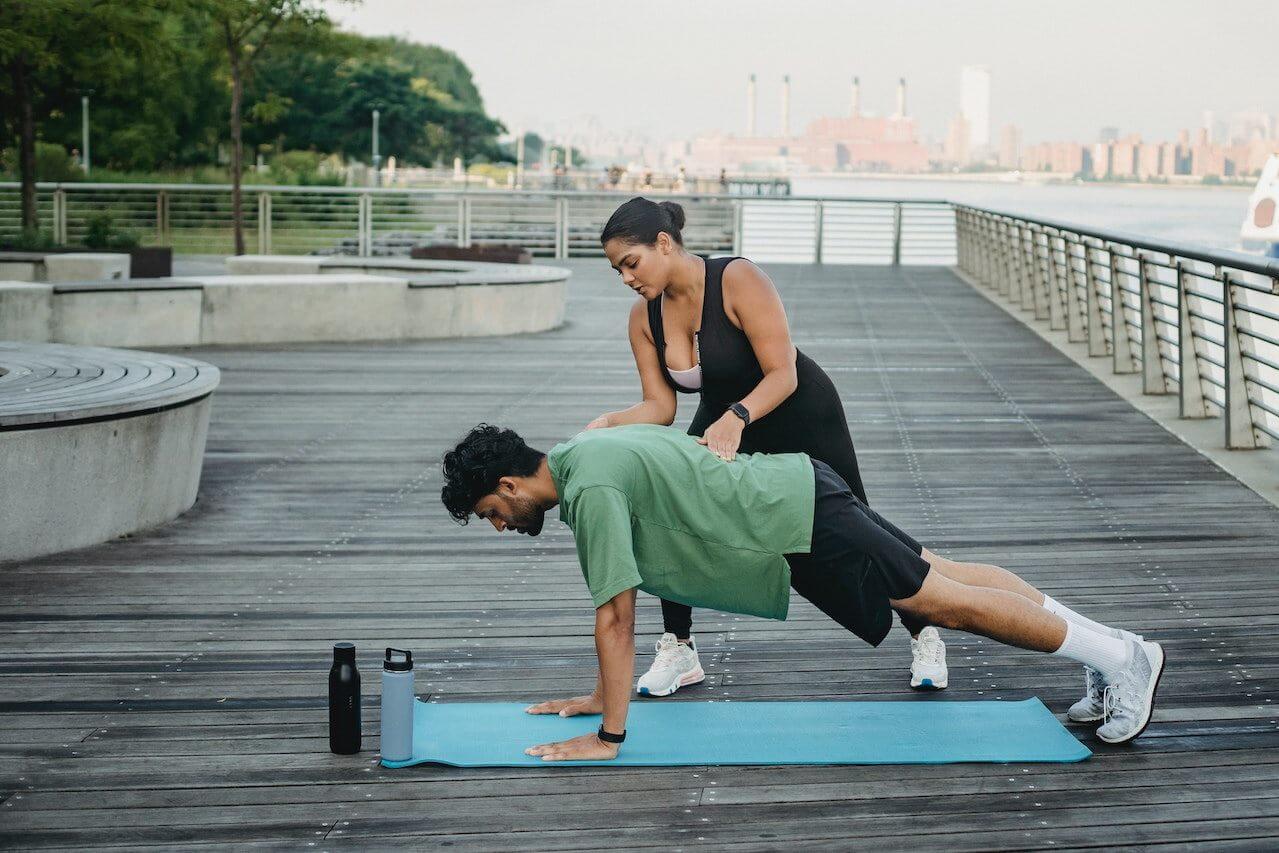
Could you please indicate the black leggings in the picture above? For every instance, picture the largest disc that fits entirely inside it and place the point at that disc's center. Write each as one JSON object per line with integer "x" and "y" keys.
{"x": 827, "y": 439}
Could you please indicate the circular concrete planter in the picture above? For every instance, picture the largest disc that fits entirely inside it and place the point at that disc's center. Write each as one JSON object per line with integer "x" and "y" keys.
{"x": 96, "y": 443}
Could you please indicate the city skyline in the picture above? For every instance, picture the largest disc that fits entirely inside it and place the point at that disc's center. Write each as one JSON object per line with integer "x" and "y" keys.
{"x": 689, "y": 80}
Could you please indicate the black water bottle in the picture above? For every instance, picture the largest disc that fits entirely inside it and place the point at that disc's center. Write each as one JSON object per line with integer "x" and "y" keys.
{"x": 344, "y": 701}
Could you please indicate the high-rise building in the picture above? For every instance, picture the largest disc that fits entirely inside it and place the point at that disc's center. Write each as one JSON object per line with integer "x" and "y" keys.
{"x": 1010, "y": 147}
{"x": 955, "y": 149}
{"x": 1108, "y": 134}
{"x": 974, "y": 103}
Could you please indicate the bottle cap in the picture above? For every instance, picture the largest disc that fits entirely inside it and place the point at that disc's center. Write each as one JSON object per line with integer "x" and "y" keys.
{"x": 344, "y": 652}
{"x": 391, "y": 665}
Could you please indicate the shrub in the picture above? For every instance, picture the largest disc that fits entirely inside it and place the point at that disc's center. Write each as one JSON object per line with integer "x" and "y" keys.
{"x": 53, "y": 163}
{"x": 100, "y": 233}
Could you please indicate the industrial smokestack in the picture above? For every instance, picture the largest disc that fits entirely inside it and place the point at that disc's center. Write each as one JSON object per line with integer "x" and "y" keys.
{"x": 901, "y": 98}
{"x": 857, "y": 98}
{"x": 750, "y": 107}
{"x": 786, "y": 105}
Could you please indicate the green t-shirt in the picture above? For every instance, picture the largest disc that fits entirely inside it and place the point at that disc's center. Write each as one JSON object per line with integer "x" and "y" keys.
{"x": 651, "y": 508}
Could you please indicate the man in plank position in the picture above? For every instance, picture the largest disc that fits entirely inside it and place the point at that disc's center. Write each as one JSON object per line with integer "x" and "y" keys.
{"x": 651, "y": 509}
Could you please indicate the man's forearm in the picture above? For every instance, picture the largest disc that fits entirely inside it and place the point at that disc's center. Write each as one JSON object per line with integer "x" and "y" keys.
{"x": 615, "y": 646}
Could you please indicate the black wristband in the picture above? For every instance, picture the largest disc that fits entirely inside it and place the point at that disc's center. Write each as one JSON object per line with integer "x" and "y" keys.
{"x": 609, "y": 737}
{"x": 742, "y": 412}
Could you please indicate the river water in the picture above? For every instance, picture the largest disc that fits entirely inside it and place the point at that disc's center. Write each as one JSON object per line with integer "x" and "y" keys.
{"x": 1207, "y": 216}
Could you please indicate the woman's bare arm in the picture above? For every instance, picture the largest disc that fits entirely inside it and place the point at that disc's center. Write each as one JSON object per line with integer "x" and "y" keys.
{"x": 658, "y": 405}
{"x": 753, "y": 305}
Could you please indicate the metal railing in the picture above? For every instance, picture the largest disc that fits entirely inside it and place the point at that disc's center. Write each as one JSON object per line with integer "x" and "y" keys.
{"x": 1194, "y": 322}
{"x": 196, "y": 219}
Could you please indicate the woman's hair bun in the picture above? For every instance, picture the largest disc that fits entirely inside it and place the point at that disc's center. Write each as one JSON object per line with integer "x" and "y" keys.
{"x": 675, "y": 211}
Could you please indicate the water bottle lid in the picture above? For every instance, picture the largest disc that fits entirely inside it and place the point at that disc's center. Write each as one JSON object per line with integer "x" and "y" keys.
{"x": 344, "y": 652}
{"x": 391, "y": 665}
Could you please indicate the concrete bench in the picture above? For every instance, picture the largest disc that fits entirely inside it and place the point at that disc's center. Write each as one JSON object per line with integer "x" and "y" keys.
{"x": 69, "y": 266}
{"x": 291, "y": 299}
{"x": 96, "y": 443}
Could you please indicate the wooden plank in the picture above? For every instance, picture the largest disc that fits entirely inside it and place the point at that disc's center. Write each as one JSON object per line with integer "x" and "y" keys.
{"x": 168, "y": 689}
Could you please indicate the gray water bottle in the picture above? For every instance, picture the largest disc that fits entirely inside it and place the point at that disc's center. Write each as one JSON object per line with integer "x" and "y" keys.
{"x": 397, "y": 705}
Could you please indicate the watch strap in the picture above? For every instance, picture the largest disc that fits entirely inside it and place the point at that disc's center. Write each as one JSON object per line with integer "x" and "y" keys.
{"x": 609, "y": 737}
{"x": 741, "y": 411}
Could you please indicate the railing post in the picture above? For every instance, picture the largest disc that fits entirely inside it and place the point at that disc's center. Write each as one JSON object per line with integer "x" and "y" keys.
{"x": 365, "y": 239}
{"x": 162, "y": 218}
{"x": 1240, "y": 432}
{"x": 1029, "y": 270}
{"x": 897, "y": 234}
{"x": 1075, "y": 331}
{"x": 1193, "y": 404}
{"x": 1056, "y": 308}
{"x": 1012, "y": 250}
{"x": 60, "y": 216}
{"x": 819, "y": 223}
{"x": 737, "y": 226}
{"x": 1120, "y": 333}
{"x": 264, "y": 223}
{"x": 1153, "y": 378}
{"x": 561, "y": 227}
{"x": 1045, "y": 296}
{"x": 1092, "y": 304}
{"x": 986, "y": 256}
{"x": 463, "y": 222}
{"x": 1001, "y": 257}
{"x": 1012, "y": 238}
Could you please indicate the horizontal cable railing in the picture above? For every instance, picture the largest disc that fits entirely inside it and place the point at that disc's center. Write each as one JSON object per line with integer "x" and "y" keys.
{"x": 196, "y": 219}
{"x": 1190, "y": 321}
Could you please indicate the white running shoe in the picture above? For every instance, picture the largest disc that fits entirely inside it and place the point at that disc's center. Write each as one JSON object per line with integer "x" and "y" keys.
{"x": 1092, "y": 707}
{"x": 928, "y": 661}
{"x": 675, "y": 666}
{"x": 1130, "y": 700}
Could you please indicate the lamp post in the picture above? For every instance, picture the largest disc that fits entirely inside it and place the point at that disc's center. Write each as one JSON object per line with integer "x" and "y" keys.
{"x": 377, "y": 158}
{"x": 84, "y": 132}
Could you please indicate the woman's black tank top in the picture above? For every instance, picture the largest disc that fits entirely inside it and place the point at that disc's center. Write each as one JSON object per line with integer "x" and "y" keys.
{"x": 730, "y": 370}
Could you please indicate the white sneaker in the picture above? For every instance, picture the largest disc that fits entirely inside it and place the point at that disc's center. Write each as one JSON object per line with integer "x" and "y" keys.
{"x": 1130, "y": 700}
{"x": 675, "y": 666}
{"x": 928, "y": 665}
{"x": 1092, "y": 707}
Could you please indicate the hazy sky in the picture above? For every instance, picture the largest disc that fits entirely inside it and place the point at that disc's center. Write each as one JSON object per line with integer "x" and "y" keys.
{"x": 1061, "y": 70}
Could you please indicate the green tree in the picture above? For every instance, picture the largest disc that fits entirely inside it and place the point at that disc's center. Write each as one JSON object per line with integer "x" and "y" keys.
{"x": 404, "y": 112}
{"x": 246, "y": 28}
{"x": 49, "y": 50}
{"x": 446, "y": 72}
{"x": 164, "y": 109}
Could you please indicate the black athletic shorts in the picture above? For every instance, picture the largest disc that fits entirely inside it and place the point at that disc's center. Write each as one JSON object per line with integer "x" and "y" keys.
{"x": 858, "y": 561}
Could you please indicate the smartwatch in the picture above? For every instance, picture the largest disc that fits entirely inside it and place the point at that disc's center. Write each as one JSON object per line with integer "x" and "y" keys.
{"x": 741, "y": 411}
{"x": 609, "y": 737}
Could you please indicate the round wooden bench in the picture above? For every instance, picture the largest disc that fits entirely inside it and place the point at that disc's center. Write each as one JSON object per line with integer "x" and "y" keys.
{"x": 96, "y": 443}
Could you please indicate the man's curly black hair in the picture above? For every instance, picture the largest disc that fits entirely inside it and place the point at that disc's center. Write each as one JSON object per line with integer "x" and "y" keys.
{"x": 472, "y": 469}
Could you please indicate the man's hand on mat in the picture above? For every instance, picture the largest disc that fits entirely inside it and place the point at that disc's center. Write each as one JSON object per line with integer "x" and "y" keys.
{"x": 569, "y": 707}
{"x": 585, "y": 748}
{"x": 724, "y": 437}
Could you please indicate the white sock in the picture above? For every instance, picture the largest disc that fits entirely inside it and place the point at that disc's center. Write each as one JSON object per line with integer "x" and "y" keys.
{"x": 1054, "y": 606}
{"x": 1102, "y": 652}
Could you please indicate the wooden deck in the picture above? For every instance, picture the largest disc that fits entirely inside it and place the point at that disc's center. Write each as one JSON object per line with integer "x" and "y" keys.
{"x": 169, "y": 689}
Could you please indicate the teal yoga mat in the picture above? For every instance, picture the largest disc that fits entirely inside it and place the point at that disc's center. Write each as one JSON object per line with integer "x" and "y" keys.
{"x": 670, "y": 733}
